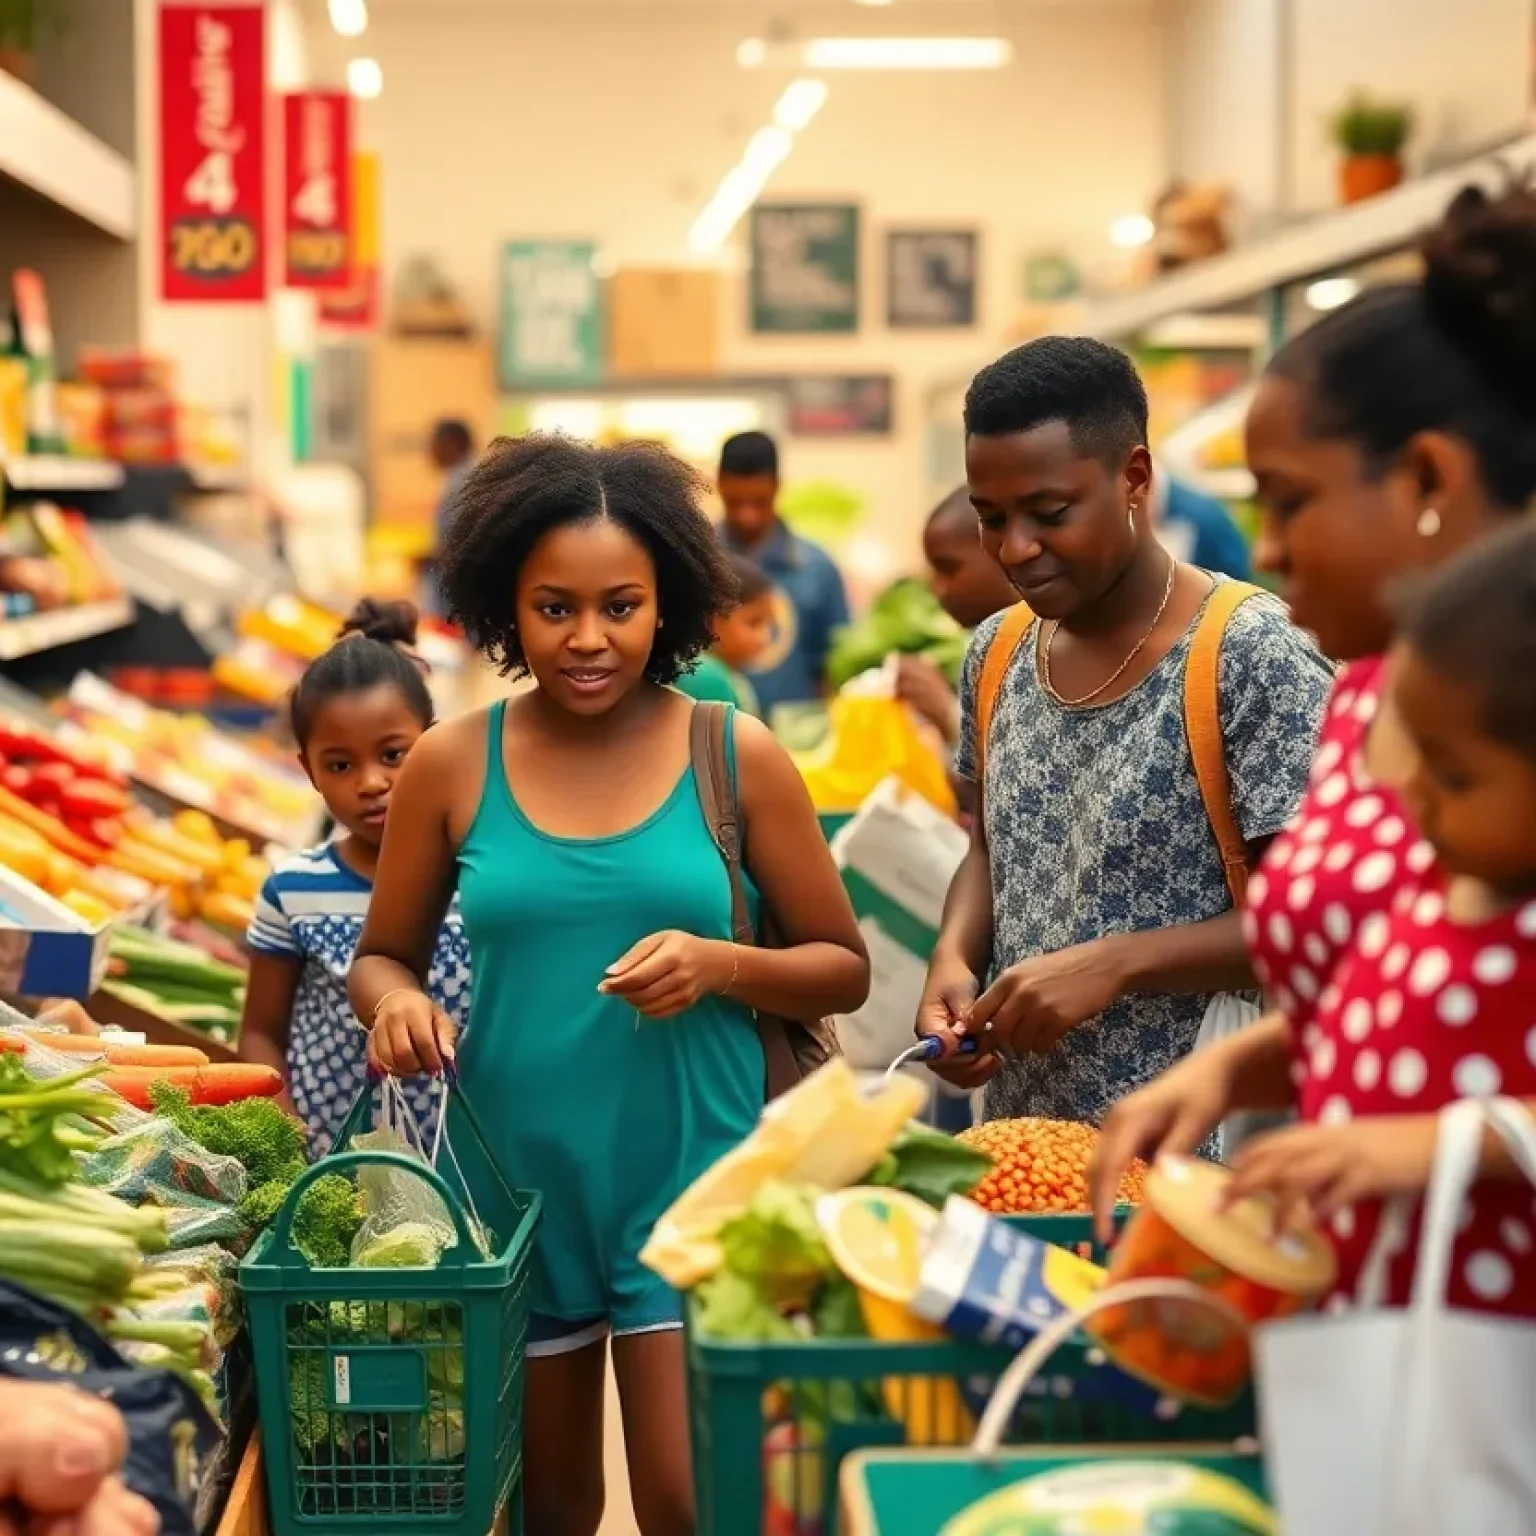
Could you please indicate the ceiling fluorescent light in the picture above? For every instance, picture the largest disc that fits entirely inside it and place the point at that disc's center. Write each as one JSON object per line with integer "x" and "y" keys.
{"x": 738, "y": 190}
{"x": 908, "y": 53}
{"x": 801, "y": 101}
{"x": 349, "y": 17}
{"x": 767, "y": 150}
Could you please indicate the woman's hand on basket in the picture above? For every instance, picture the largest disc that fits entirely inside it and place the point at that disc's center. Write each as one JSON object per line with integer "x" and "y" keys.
{"x": 1174, "y": 1113}
{"x": 668, "y": 973}
{"x": 411, "y": 1035}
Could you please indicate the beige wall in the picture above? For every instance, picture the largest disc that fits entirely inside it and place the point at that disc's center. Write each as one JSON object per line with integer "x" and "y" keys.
{"x": 617, "y": 121}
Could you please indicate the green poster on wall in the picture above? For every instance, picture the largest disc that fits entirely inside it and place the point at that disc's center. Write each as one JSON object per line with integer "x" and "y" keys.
{"x": 805, "y": 268}
{"x": 551, "y": 314}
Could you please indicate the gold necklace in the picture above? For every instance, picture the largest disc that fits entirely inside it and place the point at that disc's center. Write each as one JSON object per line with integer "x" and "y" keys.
{"x": 1119, "y": 672}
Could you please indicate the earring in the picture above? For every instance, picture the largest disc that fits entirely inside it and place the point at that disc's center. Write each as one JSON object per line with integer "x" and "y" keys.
{"x": 1428, "y": 524}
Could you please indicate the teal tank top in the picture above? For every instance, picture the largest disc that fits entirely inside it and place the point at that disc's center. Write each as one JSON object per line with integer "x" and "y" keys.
{"x": 608, "y": 1115}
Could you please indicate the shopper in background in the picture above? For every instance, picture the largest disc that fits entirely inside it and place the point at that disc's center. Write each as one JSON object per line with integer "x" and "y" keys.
{"x": 1197, "y": 528}
{"x": 612, "y": 1046}
{"x": 742, "y": 634}
{"x": 810, "y": 601}
{"x": 452, "y": 449}
{"x": 970, "y": 586}
{"x": 1394, "y": 434}
{"x": 356, "y": 712}
{"x": 1091, "y": 922}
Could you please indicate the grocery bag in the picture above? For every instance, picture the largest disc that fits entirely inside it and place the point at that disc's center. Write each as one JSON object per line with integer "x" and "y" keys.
{"x": 1418, "y": 1421}
{"x": 1227, "y": 1014}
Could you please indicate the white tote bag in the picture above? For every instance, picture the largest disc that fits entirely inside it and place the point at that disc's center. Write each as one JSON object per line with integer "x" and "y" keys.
{"x": 1227, "y": 1014}
{"x": 1411, "y": 1422}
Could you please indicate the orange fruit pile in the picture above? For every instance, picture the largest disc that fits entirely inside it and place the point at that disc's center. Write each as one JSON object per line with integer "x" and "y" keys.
{"x": 1040, "y": 1167}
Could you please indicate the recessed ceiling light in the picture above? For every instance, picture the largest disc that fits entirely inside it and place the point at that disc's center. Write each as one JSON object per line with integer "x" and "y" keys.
{"x": 364, "y": 78}
{"x": 1131, "y": 230}
{"x": 751, "y": 53}
{"x": 871, "y": 2}
{"x": 1331, "y": 292}
{"x": 349, "y": 17}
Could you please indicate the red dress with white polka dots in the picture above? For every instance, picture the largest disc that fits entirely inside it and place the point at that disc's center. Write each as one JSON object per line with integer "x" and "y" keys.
{"x": 1334, "y": 928}
{"x": 1425, "y": 1011}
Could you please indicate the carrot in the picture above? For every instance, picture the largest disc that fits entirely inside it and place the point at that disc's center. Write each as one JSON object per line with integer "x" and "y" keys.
{"x": 218, "y": 1083}
{"x": 50, "y": 826}
{"x": 117, "y": 1055}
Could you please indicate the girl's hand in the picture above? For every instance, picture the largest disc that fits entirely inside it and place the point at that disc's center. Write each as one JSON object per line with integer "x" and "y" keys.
{"x": 668, "y": 973}
{"x": 1174, "y": 1113}
{"x": 411, "y": 1035}
{"x": 1331, "y": 1167}
{"x": 67, "y": 1014}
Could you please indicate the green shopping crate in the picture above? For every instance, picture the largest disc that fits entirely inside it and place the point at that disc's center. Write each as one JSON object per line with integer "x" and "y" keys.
{"x": 393, "y": 1398}
{"x": 781, "y": 1417}
{"x": 915, "y": 1493}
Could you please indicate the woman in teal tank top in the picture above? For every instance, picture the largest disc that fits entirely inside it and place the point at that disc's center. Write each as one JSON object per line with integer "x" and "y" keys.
{"x": 611, "y": 1049}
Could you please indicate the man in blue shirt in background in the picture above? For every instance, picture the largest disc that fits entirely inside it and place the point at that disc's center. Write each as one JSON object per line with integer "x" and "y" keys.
{"x": 1197, "y": 528}
{"x": 810, "y": 603}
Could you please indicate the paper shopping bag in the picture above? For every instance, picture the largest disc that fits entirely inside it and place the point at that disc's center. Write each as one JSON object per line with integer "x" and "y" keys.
{"x": 1417, "y": 1421}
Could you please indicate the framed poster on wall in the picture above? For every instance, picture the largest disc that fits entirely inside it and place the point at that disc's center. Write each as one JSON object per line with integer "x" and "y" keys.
{"x": 805, "y": 269}
{"x": 551, "y": 314}
{"x": 930, "y": 279}
{"x": 213, "y": 167}
{"x": 859, "y": 405}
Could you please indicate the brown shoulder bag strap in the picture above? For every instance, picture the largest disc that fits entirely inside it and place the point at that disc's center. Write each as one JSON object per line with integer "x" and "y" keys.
{"x": 994, "y": 668}
{"x": 717, "y": 799}
{"x": 1202, "y": 727}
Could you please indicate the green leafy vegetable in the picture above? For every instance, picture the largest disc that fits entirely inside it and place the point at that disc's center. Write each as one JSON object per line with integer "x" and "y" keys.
{"x": 410, "y": 1245}
{"x": 777, "y": 1243}
{"x": 39, "y": 1120}
{"x": 906, "y": 618}
{"x": 930, "y": 1165}
{"x": 730, "y": 1306}
{"x": 837, "y": 1313}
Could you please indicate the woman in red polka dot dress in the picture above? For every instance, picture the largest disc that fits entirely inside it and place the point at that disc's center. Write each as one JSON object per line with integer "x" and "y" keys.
{"x": 1389, "y": 438}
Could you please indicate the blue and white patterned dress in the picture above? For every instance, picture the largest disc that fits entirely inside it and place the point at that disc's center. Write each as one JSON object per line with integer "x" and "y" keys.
{"x": 311, "y": 909}
{"x": 1095, "y": 826}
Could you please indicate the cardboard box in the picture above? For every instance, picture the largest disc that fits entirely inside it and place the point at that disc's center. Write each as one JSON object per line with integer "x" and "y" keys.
{"x": 46, "y": 950}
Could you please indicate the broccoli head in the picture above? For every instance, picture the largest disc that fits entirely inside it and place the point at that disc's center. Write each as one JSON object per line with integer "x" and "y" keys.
{"x": 327, "y": 1220}
{"x": 265, "y": 1140}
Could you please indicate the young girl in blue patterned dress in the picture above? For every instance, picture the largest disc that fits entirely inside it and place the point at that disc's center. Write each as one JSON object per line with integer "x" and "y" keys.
{"x": 357, "y": 712}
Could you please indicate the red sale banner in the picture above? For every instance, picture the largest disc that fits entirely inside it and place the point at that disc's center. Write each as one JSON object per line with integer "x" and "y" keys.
{"x": 213, "y": 73}
{"x": 318, "y": 226}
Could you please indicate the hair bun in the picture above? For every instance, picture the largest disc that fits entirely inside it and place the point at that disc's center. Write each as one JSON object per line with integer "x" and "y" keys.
{"x": 1480, "y": 283}
{"x": 391, "y": 623}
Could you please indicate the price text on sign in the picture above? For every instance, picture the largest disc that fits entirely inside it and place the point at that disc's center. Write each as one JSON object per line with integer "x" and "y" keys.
{"x": 319, "y": 224}
{"x": 212, "y": 152}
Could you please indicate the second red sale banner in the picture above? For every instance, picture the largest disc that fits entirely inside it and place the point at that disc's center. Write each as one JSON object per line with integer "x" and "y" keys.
{"x": 318, "y": 221}
{"x": 213, "y": 64}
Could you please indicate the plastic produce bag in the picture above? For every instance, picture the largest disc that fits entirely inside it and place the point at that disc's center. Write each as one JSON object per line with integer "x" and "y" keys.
{"x": 170, "y": 1434}
{"x": 154, "y": 1163}
{"x": 406, "y": 1222}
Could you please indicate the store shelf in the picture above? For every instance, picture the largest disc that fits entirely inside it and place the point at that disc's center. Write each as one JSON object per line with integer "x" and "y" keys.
{"x": 56, "y": 472}
{"x": 1323, "y": 244}
{"x": 53, "y": 156}
{"x": 63, "y": 626}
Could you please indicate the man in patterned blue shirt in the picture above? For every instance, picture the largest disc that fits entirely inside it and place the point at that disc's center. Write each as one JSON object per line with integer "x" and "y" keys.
{"x": 810, "y": 603}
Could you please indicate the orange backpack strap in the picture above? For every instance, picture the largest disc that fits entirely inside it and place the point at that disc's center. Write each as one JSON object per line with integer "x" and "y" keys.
{"x": 1202, "y": 727}
{"x": 994, "y": 668}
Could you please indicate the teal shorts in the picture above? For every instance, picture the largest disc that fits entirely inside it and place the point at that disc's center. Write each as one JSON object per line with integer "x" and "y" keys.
{"x": 564, "y": 1336}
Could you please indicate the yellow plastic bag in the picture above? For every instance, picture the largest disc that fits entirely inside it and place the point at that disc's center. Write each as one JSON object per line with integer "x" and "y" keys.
{"x": 872, "y": 739}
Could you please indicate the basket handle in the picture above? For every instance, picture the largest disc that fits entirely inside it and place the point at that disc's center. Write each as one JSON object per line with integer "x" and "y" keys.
{"x": 1032, "y": 1360}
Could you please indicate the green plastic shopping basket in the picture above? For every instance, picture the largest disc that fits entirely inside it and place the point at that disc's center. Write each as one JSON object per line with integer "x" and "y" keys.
{"x": 781, "y": 1417}
{"x": 915, "y": 1493}
{"x": 393, "y": 1398}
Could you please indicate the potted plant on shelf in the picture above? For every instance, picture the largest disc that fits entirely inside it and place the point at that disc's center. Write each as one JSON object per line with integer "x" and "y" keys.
{"x": 1371, "y": 134}
{"x": 21, "y": 24}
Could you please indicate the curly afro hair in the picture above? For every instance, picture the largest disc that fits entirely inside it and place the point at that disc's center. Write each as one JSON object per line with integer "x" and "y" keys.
{"x": 522, "y": 488}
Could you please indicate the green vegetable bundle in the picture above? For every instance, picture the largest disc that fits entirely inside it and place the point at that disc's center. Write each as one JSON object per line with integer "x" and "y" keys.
{"x": 177, "y": 982}
{"x": 906, "y": 619}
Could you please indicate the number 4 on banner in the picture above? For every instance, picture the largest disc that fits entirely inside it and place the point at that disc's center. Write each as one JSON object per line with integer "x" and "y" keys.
{"x": 315, "y": 202}
{"x": 212, "y": 184}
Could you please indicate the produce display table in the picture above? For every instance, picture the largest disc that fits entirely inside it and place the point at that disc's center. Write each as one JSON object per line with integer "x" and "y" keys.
{"x": 914, "y": 1493}
{"x": 246, "y": 1512}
